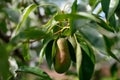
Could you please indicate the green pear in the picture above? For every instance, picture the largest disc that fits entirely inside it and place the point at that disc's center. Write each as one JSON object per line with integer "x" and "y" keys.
{"x": 62, "y": 59}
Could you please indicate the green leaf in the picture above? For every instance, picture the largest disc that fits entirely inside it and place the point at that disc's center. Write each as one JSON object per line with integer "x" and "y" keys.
{"x": 83, "y": 15}
{"x": 72, "y": 51}
{"x": 112, "y": 7}
{"x": 74, "y": 7}
{"x": 87, "y": 67}
{"x": 28, "y": 34}
{"x": 109, "y": 43}
{"x": 48, "y": 53}
{"x": 25, "y": 51}
{"x": 92, "y": 2}
{"x": 54, "y": 48}
{"x": 112, "y": 21}
{"x": 42, "y": 52}
{"x": 109, "y": 7}
{"x": 88, "y": 60}
{"x": 105, "y": 6}
{"x": 4, "y": 64}
{"x": 34, "y": 70}
{"x": 78, "y": 58}
{"x": 25, "y": 15}
{"x": 3, "y": 26}
{"x": 34, "y": 33}
{"x": 114, "y": 70}
{"x": 27, "y": 12}
{"x": 72, "y": 26}
{"x": 95, "y": 39}
{"x": 12, "y": 14}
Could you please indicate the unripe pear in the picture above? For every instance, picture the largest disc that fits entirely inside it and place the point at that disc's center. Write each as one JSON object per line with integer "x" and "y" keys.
{"x": 62, "y": 58}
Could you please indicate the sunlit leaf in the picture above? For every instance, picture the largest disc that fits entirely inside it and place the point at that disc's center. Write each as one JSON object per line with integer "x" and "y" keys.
{"x": 27, "y": 12}
{"x": 112, "y": 7}
{"x": 109, "y": 7}
{"x": 34, "y": 70}
{"x": 25, "y": 15}
{"x": 78, "y": 59}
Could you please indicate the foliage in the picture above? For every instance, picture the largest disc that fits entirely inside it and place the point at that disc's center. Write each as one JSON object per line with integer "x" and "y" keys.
{"x": 36, "y": 25}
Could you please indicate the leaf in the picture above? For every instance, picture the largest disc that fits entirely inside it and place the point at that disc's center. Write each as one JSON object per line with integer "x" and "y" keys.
{"x": 31, "y": 33}
{"x": 105, "y": 6}
{"x": 88, "y": 60}
{"x": 34, "y": 33}
{"x": 74, "y": 7}
{"x": 109, "y": 7}
{"x": 54, "y": 48}
{"x": 12, "y": 14}
{"x": 34, "y": 70}
{"x": 87, "y": 67}
{"x": 78, "y": 58}
{"x": 27, "y": 12}
{"x": 48, "y": 53}
{"x": 25, "y": 51}
{"x": 4, "y": 64}
{"x": 95, "y": 39}
{"x": 72, "y": 52}
{"x": 3, "y": 26}
{"x": 114, "y": 70}
{"x": 109, "y": 43}
{"x": 72, "y": 26}
{"x": 112, "y": 7}
{"x": 92, "y": 2}
{"x": 42, "y": 52}
{"x": 83, "y": 15}
{"x": 25, "y": 15}
{"x": 112, "y": 21}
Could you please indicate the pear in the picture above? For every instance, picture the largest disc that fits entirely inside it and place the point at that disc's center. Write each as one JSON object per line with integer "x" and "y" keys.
{"x": 62, "y": 59}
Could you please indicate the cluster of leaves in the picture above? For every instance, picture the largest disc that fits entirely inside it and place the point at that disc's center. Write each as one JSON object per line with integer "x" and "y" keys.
{"x": 91, "y": 31}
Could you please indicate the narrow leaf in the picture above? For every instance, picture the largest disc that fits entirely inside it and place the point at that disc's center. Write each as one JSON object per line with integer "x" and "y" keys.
{"x": 78, "y": 58}
{"x": 25, "y": 51}
{"x": 54, "y": 48}
{"x": 34, "y": 70}
{"x": 72, "y": 52}
{"x": 4, "y": 64}
{"x": 109, "y": 43}
{"x": 83, "y": 15}
{"x": 74, "y": 7}
{"x": 105, "y": 6}
{"x": 112, "y": 7}
{"x": 88, "y": 60}
{"x": 72, "y": 26}
{"x": 25, "y": 15}
{"x": 32, "y": 33}
{"x": 48, "y": 53}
